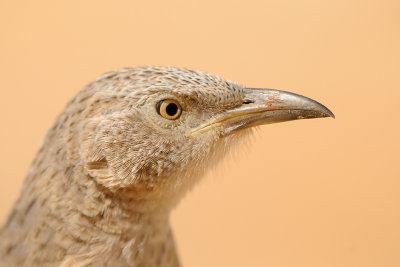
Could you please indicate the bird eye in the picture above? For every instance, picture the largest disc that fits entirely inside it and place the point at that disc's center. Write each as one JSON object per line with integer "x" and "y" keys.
{"x": 169, "y": 109}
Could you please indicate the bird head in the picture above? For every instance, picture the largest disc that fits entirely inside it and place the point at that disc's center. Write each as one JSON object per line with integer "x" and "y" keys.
{"x": 151, "y": 132}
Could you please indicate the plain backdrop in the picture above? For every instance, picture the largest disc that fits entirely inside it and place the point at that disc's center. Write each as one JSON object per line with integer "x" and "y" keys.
{"x": 306, "y": 193}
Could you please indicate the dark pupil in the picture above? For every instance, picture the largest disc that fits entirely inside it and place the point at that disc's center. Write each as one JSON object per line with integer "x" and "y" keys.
{"x": 171, "y": 109}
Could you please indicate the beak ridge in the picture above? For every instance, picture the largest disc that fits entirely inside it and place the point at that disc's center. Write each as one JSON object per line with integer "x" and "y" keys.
{"x": 266, "y": 106}
{"x": 271, "y": 99}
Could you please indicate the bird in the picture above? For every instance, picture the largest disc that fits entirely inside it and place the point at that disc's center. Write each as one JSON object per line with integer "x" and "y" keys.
{"x": 121, "y": 155}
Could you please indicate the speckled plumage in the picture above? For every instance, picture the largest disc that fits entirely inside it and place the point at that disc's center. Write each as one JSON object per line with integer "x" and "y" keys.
{"x": 101, "y": 187}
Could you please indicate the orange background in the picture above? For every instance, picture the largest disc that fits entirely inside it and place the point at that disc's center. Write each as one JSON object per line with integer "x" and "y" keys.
{"x": 306, "y": 193}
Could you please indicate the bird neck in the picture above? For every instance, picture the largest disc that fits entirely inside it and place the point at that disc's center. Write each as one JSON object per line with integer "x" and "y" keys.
{"x": 81, "y": 218}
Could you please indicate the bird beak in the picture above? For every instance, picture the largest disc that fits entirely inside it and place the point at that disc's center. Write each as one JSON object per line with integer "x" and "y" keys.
{"x": 266, "y": 106}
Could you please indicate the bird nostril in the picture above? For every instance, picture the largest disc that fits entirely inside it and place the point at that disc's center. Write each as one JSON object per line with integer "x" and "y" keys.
{"x": 248, "y": 100}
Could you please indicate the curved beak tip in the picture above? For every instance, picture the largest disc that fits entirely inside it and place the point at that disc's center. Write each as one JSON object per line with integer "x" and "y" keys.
{"x": 327, "y": 112}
